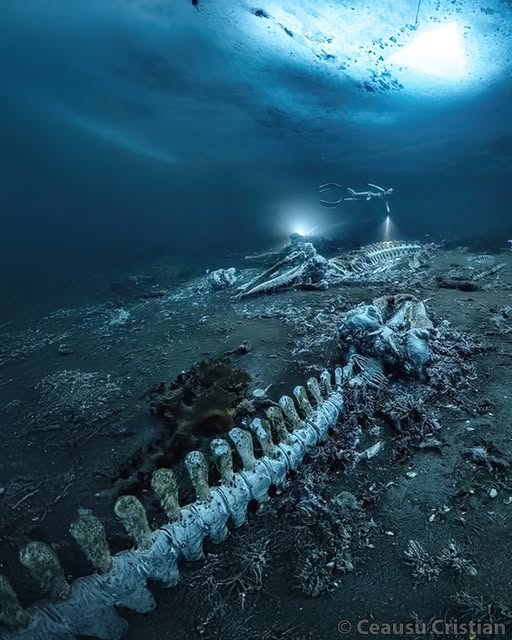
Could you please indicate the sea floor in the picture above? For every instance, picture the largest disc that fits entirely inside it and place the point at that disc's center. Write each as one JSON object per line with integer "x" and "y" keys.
{"x": 75, "y": 421}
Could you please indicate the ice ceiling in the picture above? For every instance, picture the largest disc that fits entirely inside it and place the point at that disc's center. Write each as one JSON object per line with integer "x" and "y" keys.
{"x": 171, "y": 81}
{"x": 312, "y": 87}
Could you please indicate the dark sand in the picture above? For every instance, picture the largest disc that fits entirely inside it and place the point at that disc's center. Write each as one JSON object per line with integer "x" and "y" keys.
{"x": 56, "y": 459}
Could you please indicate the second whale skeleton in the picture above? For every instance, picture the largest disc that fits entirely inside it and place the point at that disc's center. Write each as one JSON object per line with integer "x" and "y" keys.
{"x": 305, "y": 268}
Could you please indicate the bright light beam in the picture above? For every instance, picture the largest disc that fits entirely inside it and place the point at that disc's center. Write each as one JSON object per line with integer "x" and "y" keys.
{"x": 438, "y": 52}
{"x": 387, "y": 229}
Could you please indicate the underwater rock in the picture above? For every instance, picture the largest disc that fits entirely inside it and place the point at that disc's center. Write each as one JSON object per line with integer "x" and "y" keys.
{"x": 65, "y": 349}
{"x": 461, "y": 285}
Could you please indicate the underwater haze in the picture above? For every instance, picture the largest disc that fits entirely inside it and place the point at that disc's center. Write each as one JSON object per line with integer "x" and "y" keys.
{"x": 255, "y": 319}
{"x": 135, "y": 127}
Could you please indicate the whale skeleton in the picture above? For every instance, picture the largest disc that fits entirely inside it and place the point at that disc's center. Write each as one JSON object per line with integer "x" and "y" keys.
{"x": 87, "y": 606}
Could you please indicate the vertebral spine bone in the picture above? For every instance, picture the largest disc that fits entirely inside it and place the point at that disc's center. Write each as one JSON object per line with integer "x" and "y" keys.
{"x": 88, "y": 606}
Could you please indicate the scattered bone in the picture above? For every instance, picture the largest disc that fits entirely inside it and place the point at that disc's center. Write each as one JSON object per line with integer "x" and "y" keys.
{"x": 451, "y": 558}
{"x": 371, "y": 452}
{"x": 302, "y": 269}
{"x": 119, "y": 317}
{"x": 222, "y": 278}
{"x": 424, "y": 565}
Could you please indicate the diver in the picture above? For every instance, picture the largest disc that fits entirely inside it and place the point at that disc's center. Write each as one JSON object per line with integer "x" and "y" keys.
{"x": 380, "y": 194}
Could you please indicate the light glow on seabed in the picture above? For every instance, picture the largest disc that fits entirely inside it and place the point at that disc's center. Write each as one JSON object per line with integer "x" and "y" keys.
{"x": 300, "y": 216}
{"x": 302, "y": 230}
{"x": 438, "y": 52}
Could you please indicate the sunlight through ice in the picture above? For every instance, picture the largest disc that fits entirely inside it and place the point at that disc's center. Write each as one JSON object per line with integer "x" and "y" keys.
{"x": 438, "y": 52}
